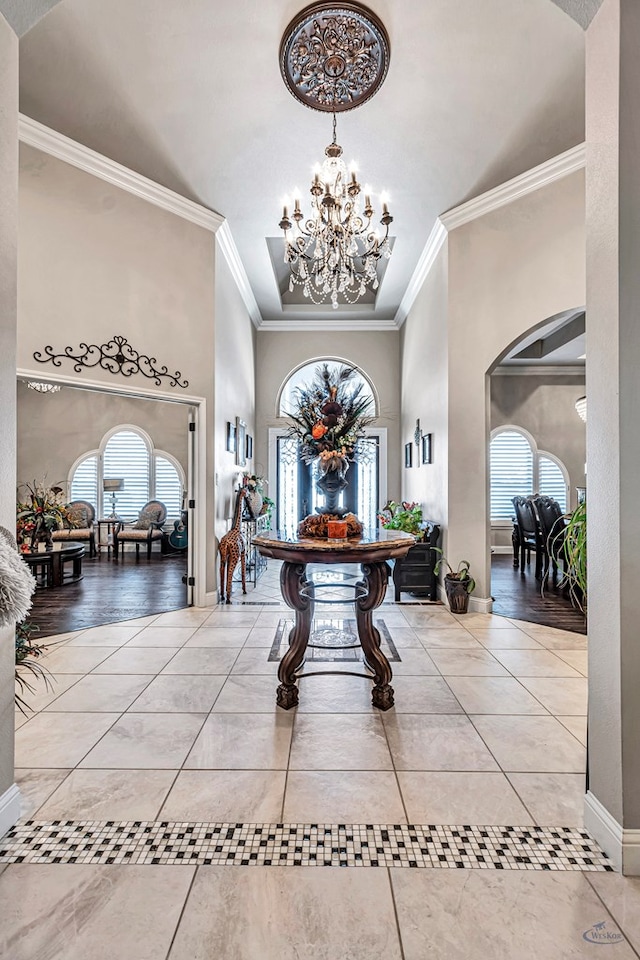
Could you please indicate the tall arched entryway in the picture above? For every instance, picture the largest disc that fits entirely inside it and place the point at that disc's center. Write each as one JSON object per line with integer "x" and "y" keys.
{"x": 536, "y": 447}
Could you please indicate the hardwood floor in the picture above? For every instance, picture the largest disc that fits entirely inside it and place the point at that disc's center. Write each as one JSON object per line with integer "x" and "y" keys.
{"x": 110, "y": 592}
{"x": 518, "y": 595}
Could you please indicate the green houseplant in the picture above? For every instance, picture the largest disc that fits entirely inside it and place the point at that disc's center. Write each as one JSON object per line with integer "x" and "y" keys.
{"x": 572, "y": 541}
{"x": 458, "y": 583}
{"x": 402, "y": 516}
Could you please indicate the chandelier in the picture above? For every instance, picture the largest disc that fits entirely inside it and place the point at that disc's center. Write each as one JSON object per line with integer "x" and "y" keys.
{"x": 334, "y": 57}
{"x": 43, "y": 387}
{"x": 335, "y": 251}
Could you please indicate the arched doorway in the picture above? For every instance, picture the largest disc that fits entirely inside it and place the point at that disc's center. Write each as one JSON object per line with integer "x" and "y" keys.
{"x": 536, "y": 446}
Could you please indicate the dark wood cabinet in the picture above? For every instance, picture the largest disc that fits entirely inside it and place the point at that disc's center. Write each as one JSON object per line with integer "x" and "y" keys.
{"x": 415, "y": 573}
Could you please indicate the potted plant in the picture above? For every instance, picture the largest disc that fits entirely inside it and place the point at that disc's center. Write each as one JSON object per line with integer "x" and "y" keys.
{"x": 458, "y": 584}
{"x": 571, "y": 541}
{"x": 402, "y": 516}
{"x": 415, "y": 572}
{"x": 42, "y": 511}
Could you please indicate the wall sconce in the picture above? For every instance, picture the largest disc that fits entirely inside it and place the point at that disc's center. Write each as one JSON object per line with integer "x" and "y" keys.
{"x": 581, "y": 408}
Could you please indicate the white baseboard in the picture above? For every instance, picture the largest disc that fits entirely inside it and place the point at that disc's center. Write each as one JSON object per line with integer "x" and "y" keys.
{"x": 9, "y": 808}
{"x": 211, "y": 598}
{"x": 476, "y": 604}
{"x": 504, "y": 549}
{"x": 620, "y": 845}
{"x": 481, "y": 604}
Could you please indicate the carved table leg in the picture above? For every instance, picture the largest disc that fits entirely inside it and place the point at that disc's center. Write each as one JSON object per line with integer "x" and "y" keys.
{"x": 292, "y": 580}
{"x": 375, "y": 580}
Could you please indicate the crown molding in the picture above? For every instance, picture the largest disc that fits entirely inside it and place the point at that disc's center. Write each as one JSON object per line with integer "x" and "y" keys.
{"x": 432, "y": 248}
{"x": 343, "y": 326}
{"x": 63, "y": 148}
{"x": 236, "y": 266}
{"x": 56, "y": 145}
{"x": 541, "y": 176}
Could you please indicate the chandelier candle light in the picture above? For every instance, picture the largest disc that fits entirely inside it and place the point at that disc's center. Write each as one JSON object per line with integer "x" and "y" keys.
{"x": 335, "y": 251}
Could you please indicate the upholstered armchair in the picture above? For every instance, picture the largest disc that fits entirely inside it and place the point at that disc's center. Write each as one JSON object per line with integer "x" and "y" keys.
{"x": 82, "y": 515}
{"x": 146, "y": 531}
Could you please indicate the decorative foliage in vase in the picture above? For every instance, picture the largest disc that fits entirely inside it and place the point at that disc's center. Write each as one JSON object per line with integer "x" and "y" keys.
{"x": 330, "y": 416}
{"x": 39, "y": 513}
{"x": 255, "y": 493}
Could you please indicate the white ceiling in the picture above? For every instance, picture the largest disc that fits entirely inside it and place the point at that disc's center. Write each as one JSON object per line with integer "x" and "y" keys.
{"x": 190, "y": 95}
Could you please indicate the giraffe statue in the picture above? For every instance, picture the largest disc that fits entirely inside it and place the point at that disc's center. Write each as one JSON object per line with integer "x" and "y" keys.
{"x": 232, "y": 548}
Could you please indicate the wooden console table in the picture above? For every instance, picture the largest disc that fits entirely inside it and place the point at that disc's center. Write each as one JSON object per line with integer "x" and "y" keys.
{"x": 371, "y": 551}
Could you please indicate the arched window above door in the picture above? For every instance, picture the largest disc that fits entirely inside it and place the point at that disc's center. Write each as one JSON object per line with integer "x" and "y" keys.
{"x": 305, "y": 373}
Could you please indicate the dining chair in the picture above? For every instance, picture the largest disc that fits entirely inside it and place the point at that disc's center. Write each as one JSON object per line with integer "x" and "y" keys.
{"x": 529, "y": 534}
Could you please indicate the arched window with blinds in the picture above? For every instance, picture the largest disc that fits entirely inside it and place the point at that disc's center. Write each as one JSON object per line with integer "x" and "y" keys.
{"x": 128, "y": 454}
{"x": 518, "y": 468}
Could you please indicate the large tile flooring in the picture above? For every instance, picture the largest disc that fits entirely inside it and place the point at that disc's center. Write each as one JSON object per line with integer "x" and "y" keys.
{"x": 172, "y": 720}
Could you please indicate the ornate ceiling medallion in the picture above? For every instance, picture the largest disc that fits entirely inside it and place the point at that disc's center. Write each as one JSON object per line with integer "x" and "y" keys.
{"x": 334, "y": 57}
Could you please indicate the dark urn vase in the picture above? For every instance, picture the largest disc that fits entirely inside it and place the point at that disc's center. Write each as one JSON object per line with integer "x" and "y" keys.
{"x": 41, "y": 534}
{"x": 457, "y": 594}
{"x": 331, "y": 483}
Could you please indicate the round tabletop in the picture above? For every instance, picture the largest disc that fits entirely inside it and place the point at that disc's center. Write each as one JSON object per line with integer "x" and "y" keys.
{"x": 374, "y": 546}
{"x": 69, "y": 547}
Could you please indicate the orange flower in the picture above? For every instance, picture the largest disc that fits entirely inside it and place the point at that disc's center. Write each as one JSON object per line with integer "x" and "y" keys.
{"x": 318, "y": 431}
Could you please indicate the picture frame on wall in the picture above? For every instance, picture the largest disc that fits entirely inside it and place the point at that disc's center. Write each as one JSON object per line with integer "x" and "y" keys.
{"x": 427, "y": 452}
{"x": 408, "y": 454}
{"x": 249, "y": 447}
{"x": 231, "y": 437}
{"x": 241, "y": 442}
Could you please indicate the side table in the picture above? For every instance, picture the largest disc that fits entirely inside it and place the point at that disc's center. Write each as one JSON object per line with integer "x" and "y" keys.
{"x": 108, "y": 523}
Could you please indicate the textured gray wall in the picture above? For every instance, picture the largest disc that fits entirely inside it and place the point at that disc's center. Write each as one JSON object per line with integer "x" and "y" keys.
{"x": 613, "y": 438}
{"x": 8, "y": 312}
{"x": 55, "y": 429}
{"x": 377, "y": 354}
{"x": 545, "y": 406}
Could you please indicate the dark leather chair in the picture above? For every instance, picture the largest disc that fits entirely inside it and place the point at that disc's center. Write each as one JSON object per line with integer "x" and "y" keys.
{"x": 529, "y": 534}
{"x": 552, "y": 526}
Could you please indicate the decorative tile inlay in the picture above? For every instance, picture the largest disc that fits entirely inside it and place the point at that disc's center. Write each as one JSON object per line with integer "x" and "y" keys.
{"x": 331, "y": 641}
{"x": 313, "y": 845}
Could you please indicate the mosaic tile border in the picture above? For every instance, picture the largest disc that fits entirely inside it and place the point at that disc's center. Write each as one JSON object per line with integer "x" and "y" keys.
{"x": 311, "y": 844}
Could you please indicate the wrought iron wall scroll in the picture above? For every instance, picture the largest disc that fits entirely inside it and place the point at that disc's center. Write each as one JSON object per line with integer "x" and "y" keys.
{"x": 116, "y": 356}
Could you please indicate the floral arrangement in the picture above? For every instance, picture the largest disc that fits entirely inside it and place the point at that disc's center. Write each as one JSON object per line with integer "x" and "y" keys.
{"x": 41, "y": 511}
{"x": 330, "y": 417}
{"x": 402, "y": 516}
{"x": 254, "y": 482}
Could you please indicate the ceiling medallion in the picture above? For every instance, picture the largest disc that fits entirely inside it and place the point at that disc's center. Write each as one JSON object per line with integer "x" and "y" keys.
{"x": 334, "y": 57}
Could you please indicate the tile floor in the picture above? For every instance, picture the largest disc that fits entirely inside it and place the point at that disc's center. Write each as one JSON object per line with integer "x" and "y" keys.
{"x": 167, "y": 725}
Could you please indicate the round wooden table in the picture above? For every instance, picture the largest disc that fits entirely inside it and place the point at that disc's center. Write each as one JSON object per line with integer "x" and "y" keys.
{"x": 53, "y": 561}
{"x": 371, "y": 551}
